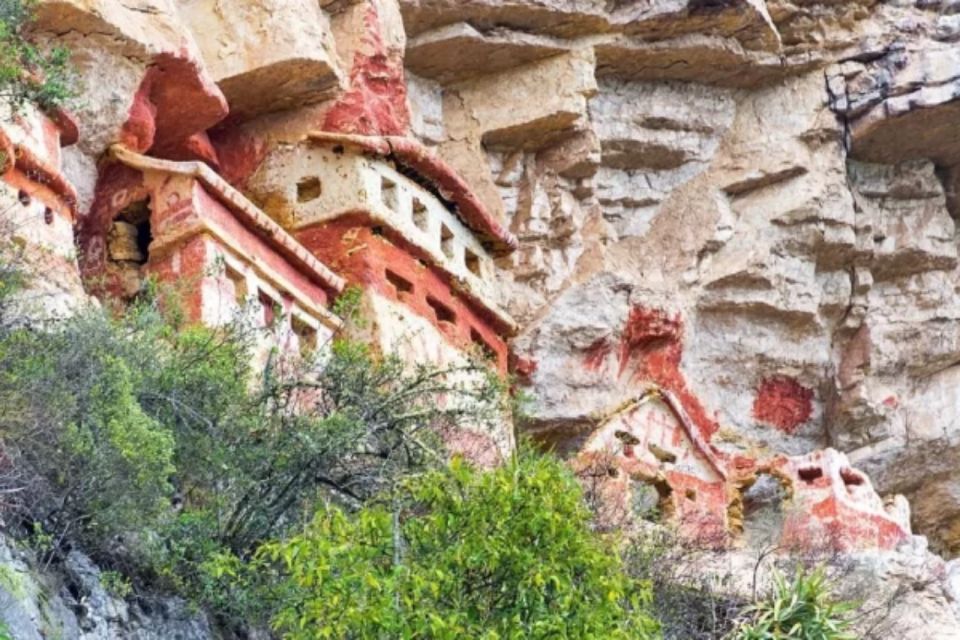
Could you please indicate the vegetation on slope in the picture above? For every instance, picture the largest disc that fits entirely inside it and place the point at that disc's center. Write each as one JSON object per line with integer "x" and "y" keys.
{"x": 29, "y": 74}
{"x": 457, "y": 553}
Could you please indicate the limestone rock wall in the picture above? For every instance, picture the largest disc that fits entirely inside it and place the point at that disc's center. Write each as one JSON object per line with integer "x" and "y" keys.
{"x": 779, "y": 176}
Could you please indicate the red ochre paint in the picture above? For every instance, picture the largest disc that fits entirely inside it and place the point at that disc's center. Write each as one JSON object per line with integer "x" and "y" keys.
{"x": 376, "y": 103}
{"x": 172, "y": 109}
{"x": 240, "y": 154}
{"x": 523, "y": 367}
{"x": 350, "y": 247}
{"x": 597, "y": 354}
{"x": 784, "y": 403}
{"x": 651, "y": 347}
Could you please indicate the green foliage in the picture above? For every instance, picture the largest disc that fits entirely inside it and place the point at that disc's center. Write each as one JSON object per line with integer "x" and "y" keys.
{"x": 116, "y": 584}
{"x": 12, "y": 275}
{"x": 12, "y": 582}
{"x": 315, "y": 494}
{"x": 798, "y": 609}
{"x": 5, "y": 632}
{"x": 368, "y": 421}
{"x": 139, "y": 429}
{"x": 97, "y": 410}
{"x": 341, "y": 431}
{"x": 348, "y": 305}
{"x": 28, "y": 74}
{"x": 461, "y": 554}
{"x": 93, "y": 458}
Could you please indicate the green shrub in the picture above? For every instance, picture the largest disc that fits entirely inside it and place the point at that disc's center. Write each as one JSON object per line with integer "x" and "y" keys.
{"x": 116, "y": 584}
{"x": 798, "y": 609}
{"x": 133, "y": 428}
{"x": 89, "y": 458}
{"x": 460, "y": 554}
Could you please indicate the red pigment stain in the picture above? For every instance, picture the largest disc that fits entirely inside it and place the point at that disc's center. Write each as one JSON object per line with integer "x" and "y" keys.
{"x": 195, "y": 147}
{"x": 783, "y": 403}
{"x": 66, "y": 122}
{"x": 652, "y": 346}
{"x": 596, "y": 354}
{"x": 175, "y": 103}
{"x": 522, "y": 367}
{"x": 377, "y": 100}
{"x": 240, "y": 154}
{"x": 140, "y": 129}
{"x": 648, "y": 330}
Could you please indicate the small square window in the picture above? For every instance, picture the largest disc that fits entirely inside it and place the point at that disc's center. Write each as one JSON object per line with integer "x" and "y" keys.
{"x": 388, "y": 193}
{"x": 308, "y": 189}
{"x": 447, "y": 242}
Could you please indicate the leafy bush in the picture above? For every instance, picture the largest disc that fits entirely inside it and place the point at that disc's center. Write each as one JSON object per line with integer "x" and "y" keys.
{"x": 460, "y": 554}
{"x": 90, "y": 458}
{"x": 342, "y": 430}
{"x": 28, "y": 74}
{"x": 798, "y": 609}
{"x": 149, "y": 444}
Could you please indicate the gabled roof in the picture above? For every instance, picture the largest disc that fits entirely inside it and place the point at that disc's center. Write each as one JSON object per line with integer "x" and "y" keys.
{"x": 700, "y": 444}
{"x": 252, "y": 217}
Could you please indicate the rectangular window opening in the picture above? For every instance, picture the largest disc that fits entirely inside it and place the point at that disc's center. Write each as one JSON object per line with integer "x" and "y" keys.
{"x": 401, "y": 284}
{"x": 472, "y": 261}
{"x": 388, "y": 193}
{"x": 442, "y": 311}
{"x": 271, "y": 308}
{"x": 306, "y": 335}
{"x": 446, "y": 241}
{"x": 421, "y": 217}
{"x": 239, "y": 285}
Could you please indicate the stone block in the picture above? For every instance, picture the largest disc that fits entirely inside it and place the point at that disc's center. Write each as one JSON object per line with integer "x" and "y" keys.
{"x": 904, "y": 105}
{"x": 459, "y": 52}
{"x": 266, "y": 56}
{"x": 526, "y": 107}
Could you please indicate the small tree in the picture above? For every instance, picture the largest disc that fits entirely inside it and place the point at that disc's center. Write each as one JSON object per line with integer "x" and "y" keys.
{"x": 460, "y": 554}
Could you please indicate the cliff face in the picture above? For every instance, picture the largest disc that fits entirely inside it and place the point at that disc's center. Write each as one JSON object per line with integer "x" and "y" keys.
{"x": 746, "y": 206}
